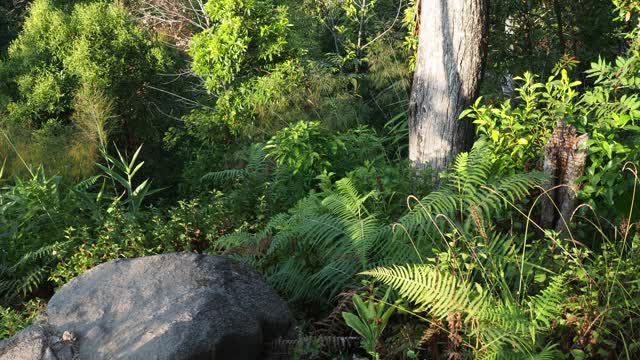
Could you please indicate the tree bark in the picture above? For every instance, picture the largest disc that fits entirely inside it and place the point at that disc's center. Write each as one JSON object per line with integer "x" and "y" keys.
{"x": 565, "y": 157}
{"x": 558, "y": 10}
{"x": 448, "y": 71}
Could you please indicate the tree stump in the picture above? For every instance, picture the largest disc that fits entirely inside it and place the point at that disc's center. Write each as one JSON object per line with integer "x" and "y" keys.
{"x": 565, "y": 156}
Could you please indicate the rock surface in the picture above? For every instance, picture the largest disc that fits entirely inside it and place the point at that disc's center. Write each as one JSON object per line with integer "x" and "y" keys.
{"x": 174, "y": 306}
{"x": 37, "y": 342}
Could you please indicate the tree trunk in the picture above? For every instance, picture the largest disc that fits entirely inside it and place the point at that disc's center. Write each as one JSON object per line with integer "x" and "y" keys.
{"x": 448, "y": 71}
{"x": 558, "y": 10}
{"x": 565, "y": 157}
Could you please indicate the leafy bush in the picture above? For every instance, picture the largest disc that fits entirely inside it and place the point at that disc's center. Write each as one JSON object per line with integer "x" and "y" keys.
{"x": 607, "y": 113}
{"x": 12, "y": 321}
{"x": 612, "y": 121}
{"x": 292, "y": 163}
{"x": 73, "y": 67}
{"x": 369, "y": 321}
{"x": 517, "y": 134}
{"x": 33, "y": 217}
{"x": 308, "y": 149}
{"x": 245, "y": 59}
{"x": 57, "y": 53}
{"x": 44, "y": 224}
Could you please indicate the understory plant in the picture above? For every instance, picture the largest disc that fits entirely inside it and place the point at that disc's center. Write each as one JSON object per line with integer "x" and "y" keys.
{"x": 370, "y": 320}
{"x": 489, "y": 326}
{"x": 52, "y": 231}
{"x": 12, "y": 321}
{"x": 517, "y": 131}
{"x": 316, "y": 250}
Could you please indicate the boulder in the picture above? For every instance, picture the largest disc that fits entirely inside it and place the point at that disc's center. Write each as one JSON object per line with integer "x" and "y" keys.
{"x": 38, "y": 342}
{"x": 173, "y": 306}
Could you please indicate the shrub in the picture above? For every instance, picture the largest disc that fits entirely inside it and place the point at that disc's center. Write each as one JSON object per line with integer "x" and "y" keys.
{"x": 12, "y": 321}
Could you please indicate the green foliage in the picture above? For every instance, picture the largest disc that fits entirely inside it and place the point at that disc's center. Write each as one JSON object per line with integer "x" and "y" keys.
{"x": 500, "y": 328}
{"x": 600, "y": 320}
{"x": 613, "y": 109}
{"x": 116, "y": 237}
{"x": 306, "y": 148}
{"x": 370, "y": 320}
{"x": 307, "y": 78}
{"x": 122, "y": 172}
{"x": 316, "y": 250}
{"x": 410, "y": 22}
{"x": 275, "y": 176}
{"x": 32, "y": 217}
{"x": 526, "y": 36}
{"x": 245, "y": 60}
{"x": 319, "y": 247}
{"x": 298, "y": 147}
{"x": 72, "y": 67}
{"x": 58, "y": 52}
{"x": 259, "y": 189}
{"x": 355, "y": 27}
{"x": 190, "y": 226}
{"x": 44, "y": 222}
{"x": 474, "y": 194}
{"x": 393, "y": 181}
{"x": 243, "y": 32}
{"x": 517, "y": 135}
{"x": 628, "y": 11}
{"x": 12, "y": 321}
{"x": 607, "y": 113}
{"x": 204, "y": 144}
{"x": 69, "y": 151}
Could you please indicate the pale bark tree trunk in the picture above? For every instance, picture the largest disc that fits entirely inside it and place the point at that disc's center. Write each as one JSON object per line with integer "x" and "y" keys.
{"x": 448, "y": 71}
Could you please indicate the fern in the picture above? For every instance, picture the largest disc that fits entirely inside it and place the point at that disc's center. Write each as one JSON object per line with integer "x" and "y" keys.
{"x": 317, "y": 249}
{"x": 30, "y": 271}
{"x": 545, "y": 307}
{"x": 436, "y": 292}
{"x": 326, "y": 344}
{"x": 257, "y": 165}
{"x": 224, "y": 175}
{"x": 499, "y": 326}
{"x": 87, "y": 183}
{"x": 473, "y": 186}
{"x": 347, "y": 205}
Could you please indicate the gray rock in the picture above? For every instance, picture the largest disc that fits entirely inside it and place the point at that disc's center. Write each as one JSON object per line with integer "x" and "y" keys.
{"x": 36, "y": 342}
{"x": 28, "y": 344}
{"x": 174, "y": 306}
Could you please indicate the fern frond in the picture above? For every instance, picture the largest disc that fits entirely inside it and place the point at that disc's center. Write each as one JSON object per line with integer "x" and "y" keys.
{"x": 471, "y": 170}
{"x": 504, "y": 327}
{"x": 256, "y": 158}
{"x": 436, "y": 292}
{"x": 39, "y": 254}
{"x": 438, "y": 202}
{"x": 25, "y": 284}
{"x": 87, "y": 183}
{"x": 348, "y": 206}
{"x": 219, "y": 177}
{"x": 292, "y": 277}
{"x": 547, "y": 306}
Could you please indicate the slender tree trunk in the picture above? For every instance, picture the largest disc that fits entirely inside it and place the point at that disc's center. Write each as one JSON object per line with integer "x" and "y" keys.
{"x": 558, "y": 10}
{"x": 448, "y": 72}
